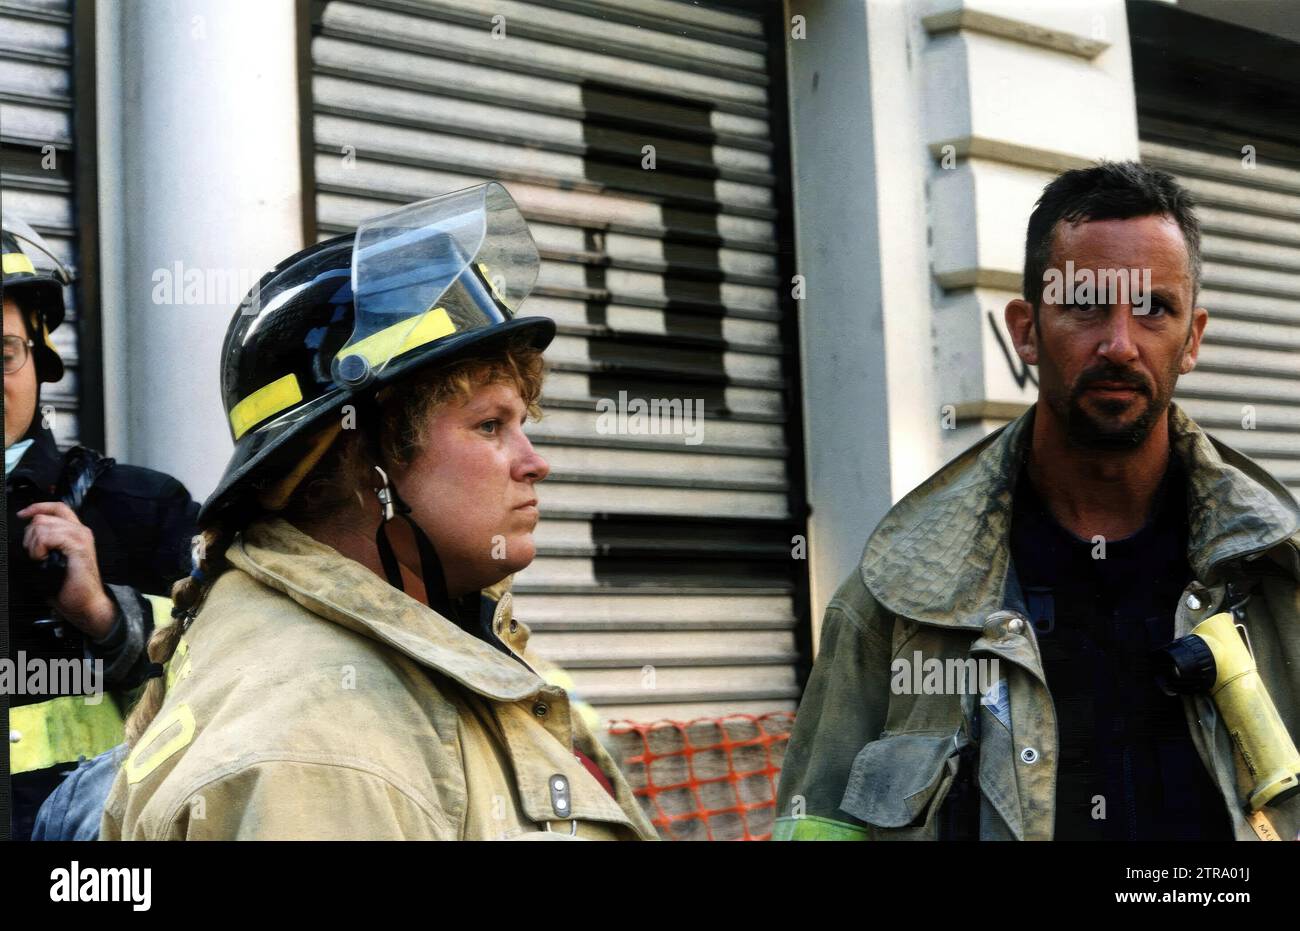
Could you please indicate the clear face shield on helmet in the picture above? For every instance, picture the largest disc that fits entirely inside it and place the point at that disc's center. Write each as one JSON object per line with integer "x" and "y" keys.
{"x": 441, "y": 267}
{"x": 420, "y": 286}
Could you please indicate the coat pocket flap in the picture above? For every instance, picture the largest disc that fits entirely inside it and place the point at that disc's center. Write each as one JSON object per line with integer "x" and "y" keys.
{"x": 893, "y": 779}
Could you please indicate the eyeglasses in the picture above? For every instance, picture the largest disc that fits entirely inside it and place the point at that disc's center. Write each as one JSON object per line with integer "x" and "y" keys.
{"x": 17, "y": 350}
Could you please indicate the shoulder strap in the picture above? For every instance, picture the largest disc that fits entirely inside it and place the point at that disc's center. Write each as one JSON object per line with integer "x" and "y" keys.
{"x": 82, "y": 467}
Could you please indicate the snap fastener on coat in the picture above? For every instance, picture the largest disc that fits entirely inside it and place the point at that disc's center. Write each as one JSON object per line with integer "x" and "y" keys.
{"x": 1193, "y": 602}
{"x": 560, "y": 794}
{"x": 1001, "y": 623}
{"x": 540, "y": 709}
{"x": 15, "y": 736}
{"x": 1029, "y": 755}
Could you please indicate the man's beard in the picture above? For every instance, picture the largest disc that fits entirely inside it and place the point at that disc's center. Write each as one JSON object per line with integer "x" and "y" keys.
{"x": 1087, "y": 431}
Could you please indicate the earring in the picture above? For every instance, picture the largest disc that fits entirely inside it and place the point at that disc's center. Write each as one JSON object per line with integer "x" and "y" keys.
{"x": 385, "y": 495}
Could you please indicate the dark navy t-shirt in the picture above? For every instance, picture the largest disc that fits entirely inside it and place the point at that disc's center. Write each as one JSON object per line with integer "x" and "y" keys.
{"x": 1128, "y": 769}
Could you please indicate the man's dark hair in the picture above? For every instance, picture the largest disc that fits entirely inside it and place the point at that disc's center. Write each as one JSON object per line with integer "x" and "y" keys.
{"x": 1107, "y": 191}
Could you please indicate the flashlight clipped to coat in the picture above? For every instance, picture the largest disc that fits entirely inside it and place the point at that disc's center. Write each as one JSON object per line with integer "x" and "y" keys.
{"x": 1215, "y": 660}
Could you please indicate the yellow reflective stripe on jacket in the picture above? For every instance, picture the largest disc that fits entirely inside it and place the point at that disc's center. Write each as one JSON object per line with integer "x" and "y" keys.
{"x": 811, "y": 827}
{"x": 62, "y": 730}
{"x": 162, "y": 610}
{"x": 65, "y": 729}
{"x": 178, "y": 667}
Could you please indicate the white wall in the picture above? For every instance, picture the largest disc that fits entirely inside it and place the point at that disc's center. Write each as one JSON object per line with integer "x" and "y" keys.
{"x": 850, "y": 379}
{"x": 922, "y": 133}
{"x": 199, "y": 165}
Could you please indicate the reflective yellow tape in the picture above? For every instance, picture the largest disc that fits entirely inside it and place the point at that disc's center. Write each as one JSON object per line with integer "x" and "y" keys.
{"x": 162, "y": 610}
{"x": 378, "y": 348}
{"x": 179, "y": 666}
{"x": 487, "y": 276}
{"x": 62, "y": 730}
{"x": 812, "y": 827}
{"x": 265, "y": 401}
{"x": 140, "y": 764}
{"x": 15, "y": 262}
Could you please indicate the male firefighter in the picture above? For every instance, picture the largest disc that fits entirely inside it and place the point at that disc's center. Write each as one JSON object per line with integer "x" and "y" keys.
{"x": 1064, "y": 553}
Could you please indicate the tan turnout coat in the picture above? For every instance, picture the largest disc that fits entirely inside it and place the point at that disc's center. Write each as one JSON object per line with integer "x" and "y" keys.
{"x": 865, "y": 763}
{"x": 311, "y": 700}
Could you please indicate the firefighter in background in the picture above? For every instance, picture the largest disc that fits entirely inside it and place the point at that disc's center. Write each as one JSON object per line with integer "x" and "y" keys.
{"x": 87, "y": 539}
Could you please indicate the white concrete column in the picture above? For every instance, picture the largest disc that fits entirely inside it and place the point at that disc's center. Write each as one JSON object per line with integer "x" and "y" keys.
{"x": 859, "y": 167}
{"x": 201, "y": 194}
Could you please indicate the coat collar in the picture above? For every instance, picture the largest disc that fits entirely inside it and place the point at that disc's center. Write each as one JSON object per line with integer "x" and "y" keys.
{"x": 42, "y": 463}
{"x": 942, "y": 554}
{"x": 321, "y": 579}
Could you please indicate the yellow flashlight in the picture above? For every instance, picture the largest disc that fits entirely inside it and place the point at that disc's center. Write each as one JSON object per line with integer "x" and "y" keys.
{"x": 1216, "y": 659}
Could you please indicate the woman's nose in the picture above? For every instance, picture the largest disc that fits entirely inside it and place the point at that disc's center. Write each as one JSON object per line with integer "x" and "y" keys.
{"x": 531, "y": 466}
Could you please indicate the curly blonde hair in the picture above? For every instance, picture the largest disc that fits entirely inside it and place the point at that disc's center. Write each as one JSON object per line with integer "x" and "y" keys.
{"x": 332, "y": 484}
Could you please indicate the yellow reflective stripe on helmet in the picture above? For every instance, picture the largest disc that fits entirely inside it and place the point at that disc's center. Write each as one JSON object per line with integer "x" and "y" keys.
{"x": 487, "y": 276}
{"x": 62, "y": 730}
{"x": 15, "y": 262}
{"x": 265, "y": 401}
{"x": 812, "y": 827}
{"x": 378, "y": 348}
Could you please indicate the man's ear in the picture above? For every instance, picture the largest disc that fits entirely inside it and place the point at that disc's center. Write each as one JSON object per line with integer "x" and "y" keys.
{"x": 1200, "y": 317}
{"x": 1019, "y": 317}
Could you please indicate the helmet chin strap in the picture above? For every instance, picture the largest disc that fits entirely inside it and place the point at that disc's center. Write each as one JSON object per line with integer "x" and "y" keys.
{"x": 435, "y": 582}
{"x": 391, "y": 505}
{"x": 467, "y": 616}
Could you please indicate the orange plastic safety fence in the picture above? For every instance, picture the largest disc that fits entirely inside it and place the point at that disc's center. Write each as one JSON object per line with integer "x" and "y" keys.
{"x": 720, "y": 787}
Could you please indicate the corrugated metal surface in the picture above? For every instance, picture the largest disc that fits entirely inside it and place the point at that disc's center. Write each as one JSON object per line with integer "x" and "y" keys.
{"x": 664, "y": 581}
{"x": 1246, "y": 386}
{"x": 36, "y": 112}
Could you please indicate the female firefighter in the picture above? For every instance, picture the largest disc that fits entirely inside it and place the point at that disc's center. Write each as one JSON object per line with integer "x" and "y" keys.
{"x": 334, "y": 672}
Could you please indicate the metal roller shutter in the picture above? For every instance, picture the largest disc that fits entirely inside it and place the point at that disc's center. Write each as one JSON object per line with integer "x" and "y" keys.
{"x": 36, "y": 112}
{"x": 1246, "y": 387}
{"x": 1216, "y": 105}
{"x": 664, "y": 582}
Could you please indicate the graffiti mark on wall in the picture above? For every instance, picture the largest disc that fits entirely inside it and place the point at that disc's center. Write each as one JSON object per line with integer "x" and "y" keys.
{"x": 1020, "y": 370}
